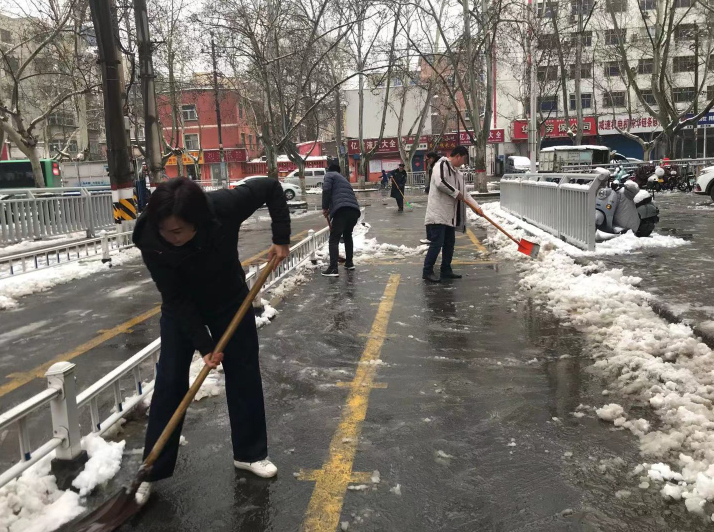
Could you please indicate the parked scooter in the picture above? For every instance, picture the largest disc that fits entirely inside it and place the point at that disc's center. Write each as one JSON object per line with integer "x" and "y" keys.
{"x": 623, "y": 207}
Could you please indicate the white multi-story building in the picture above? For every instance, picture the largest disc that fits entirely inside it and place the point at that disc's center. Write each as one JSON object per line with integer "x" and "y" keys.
{"x": 667, "y": 45}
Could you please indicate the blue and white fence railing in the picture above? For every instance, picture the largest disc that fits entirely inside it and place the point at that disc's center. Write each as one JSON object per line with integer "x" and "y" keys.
{"x": 42, "y": 212}
{"x": 65, "y": 403}
{"x": 561, "y": 204}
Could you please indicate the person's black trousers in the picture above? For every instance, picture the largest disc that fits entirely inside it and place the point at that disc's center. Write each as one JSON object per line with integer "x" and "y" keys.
{"x": 442, "y": 238}
{"x": 343, "y": 222}
{"x": 400, "y": 201}
{"x": 244, "y": 389}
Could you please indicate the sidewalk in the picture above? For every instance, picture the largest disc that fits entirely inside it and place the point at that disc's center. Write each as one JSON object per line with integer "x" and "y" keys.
{"x": 398, "y": 406}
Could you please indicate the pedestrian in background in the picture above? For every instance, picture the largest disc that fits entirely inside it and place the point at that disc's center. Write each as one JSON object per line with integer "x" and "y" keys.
{"x": 429, "y": 162}
{"x": 340, "y": 207}
{"x": 399, "y": 184}
{"x": 385, "y": 179}
{"x": 445, "y": 213}
{"x": 189, "y": 242}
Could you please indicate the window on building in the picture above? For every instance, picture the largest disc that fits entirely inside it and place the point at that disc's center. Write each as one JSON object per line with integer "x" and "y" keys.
{"x": 240, "y": 111}
{"x": 547, "y": 104}
{"x": 190, "y": 141}
{"x": 242, "y": 139}
{"x": 613, "y": 99}
{"x": 586, "y": 101}
{"x": 683, "y": 3}
{"x": 648, "y": 97}
{"x": 581, "y": 7}
{"x": 189, "y": 112}
{"x": 72, "y": 146}
{"x": 710, "y": 92}
{"x": 547, "y": 73}
{"x": 60, "y": 118}
{"x": 685, "y": 32}
{"x": 616, "y": 6}
{"x": 647, "y": 5}
{"x": 612, "y": 68}
{"x": 613, "y": 37}
{"x": 250, "y": 141}
{"x": 586, "y": 71}
{"x": 55, "y": 146}
{"x": 547, "y": 41}
{"x": 683, "y": 94}
{"x": 587, "y": 38}
{"x": 645, "y": 66}
{"x": 11, "y": 62}
{"x": 5, "y": 36}
{"x": 546, "y": 9}
{"x": 684, "y": 63}
{"x": 94, "y": 148}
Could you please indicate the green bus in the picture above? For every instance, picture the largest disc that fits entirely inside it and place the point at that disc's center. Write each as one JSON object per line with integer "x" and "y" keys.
{"x": 18, "y": 173}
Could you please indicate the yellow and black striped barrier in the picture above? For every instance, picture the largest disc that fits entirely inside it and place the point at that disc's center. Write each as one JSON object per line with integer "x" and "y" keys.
{"x": 125, "y": 209}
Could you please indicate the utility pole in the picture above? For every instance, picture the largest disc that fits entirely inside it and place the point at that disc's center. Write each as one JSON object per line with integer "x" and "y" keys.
{"x": 152, "y": 134}
{"x": 224, "y": 176}
{"x": 532, "y": 125}
{"x": 121, "y": 176}
{"x": 696, "y": 88}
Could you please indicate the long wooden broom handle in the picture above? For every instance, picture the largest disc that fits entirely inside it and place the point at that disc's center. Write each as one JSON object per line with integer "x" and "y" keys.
{"x": 181, "y": 410}
{"x": 399, "y": 189}
{"x": 483, "y": 215}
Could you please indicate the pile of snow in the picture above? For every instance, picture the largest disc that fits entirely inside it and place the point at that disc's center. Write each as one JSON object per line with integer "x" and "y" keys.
{"x": 29, "y": 245}
{"x": 644, "y": 359}
{"x": 33, "y": 503}
{"x": 267, "y": 315}
{"x": 18, "y": 286}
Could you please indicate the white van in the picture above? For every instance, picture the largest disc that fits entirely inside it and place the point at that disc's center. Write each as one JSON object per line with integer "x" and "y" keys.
{"x": 313, "y": 177}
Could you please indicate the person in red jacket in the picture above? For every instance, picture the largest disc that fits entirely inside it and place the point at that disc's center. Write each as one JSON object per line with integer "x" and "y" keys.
{"x": 189, "y": 242}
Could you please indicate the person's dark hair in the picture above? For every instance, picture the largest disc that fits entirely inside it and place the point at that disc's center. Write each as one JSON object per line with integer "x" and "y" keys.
{"x": 459, "y": 150}
{"x": 179, "y": 197}
{"x": 433, "y": 155}
{"x": 334, "y": 167}
{"x": 402, "y": 164}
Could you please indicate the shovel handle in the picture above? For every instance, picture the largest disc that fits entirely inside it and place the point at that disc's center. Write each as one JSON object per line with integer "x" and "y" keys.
{"x": 483, "y": 215}
{"x": 181, "y": 410}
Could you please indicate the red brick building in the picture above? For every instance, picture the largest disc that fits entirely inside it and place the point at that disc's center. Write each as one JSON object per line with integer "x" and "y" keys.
{"x": 200, "y": 133}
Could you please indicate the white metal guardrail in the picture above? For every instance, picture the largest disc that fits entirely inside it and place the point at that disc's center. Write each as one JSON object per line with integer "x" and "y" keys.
{"x": 416, "y": 179}
{"x": 696, "y": 164}
{"x": 42, "y": 212}
{"x": 65, "y": 402}
{"x": 40, "y": 259}
{"x": 561, "y": 204}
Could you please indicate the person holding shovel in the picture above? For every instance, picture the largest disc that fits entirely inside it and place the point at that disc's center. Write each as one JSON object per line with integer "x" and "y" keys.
{"x": 189, "y": 243}
{"x": 399, "y": 184}
{"x": 445, "y": 213}
{"x": 340, "y": 207}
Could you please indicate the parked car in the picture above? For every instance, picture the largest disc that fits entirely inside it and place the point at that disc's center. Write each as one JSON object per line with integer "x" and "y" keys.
{"x": 290, "y": 190}
{"x": 313, "y": 177}
{"x": 705, "y": 182}
{"x": 517, "y": 164}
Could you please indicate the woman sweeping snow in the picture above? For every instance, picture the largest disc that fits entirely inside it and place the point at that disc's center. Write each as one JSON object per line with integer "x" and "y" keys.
{"x": 189, "y": 243}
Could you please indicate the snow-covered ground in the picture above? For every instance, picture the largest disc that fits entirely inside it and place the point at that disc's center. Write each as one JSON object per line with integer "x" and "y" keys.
{"x": 18, "y": 286}
{"x": 29, "y": 245}
{"x": 33, "y": 503}
{"x": 645, "y": 359}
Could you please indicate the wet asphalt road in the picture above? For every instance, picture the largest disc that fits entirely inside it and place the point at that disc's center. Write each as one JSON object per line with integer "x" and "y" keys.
{"x": 468, "y": 420}
{"x": 469, "y": 413}
{"x": 683, "y": 277}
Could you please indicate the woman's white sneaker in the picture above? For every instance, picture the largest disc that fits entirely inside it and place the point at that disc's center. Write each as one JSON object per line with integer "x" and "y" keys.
{"x": 142, "y": 494}
{"x": 262, "y": 468}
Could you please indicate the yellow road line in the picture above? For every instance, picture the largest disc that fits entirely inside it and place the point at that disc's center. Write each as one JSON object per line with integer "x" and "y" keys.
{"x": 323, "y": 512}
{"x": 263, "y": 253}
{"x": 475, "y": 240}
{"x": 22, "y": 378}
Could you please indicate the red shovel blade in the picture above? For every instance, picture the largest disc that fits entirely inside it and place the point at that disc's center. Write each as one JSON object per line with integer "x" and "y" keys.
{"x": 528, "y": 248}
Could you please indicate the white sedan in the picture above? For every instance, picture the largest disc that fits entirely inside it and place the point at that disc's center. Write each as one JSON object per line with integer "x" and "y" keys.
{"x": 705, "y": 182}
{"x": 289, "y": 189}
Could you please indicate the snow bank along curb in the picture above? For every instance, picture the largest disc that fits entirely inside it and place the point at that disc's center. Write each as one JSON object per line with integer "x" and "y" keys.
{"x": 33, "y": 503}
{"x": 13, "y": 288}
{"x": 644, "y": 358}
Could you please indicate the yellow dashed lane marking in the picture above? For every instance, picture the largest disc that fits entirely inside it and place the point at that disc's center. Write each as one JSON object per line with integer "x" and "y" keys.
{"x": 476, "y": 241}
{"x": 323, "y": 512}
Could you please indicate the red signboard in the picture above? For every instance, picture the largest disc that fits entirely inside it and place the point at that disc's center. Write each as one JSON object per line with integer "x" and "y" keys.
{"x": 554, "y": 127}
{"x": 448, "y": 140}
{"x": 237, "y": 155}
{"x": 386, "y": 145}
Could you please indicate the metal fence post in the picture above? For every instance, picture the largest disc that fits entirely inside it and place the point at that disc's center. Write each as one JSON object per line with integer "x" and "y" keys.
{"x": 65, "y": 415}
{"x": 105, "y": 246}
{"x": 88, "y": 211}
{"x": 312, "y": 246}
